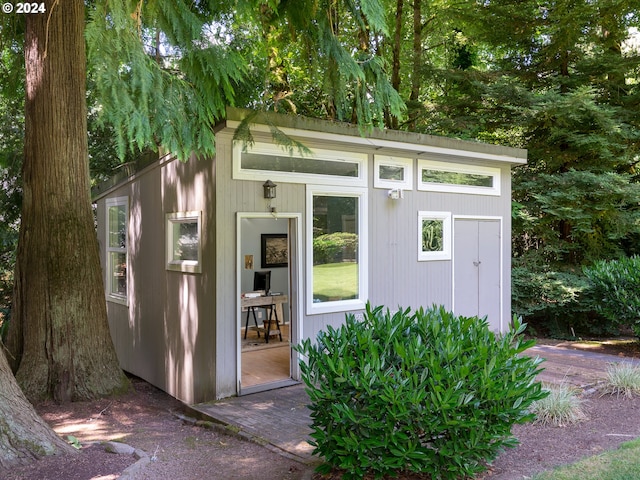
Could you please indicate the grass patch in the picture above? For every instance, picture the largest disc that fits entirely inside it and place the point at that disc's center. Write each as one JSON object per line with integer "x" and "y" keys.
{"x": 621, "y": 464}
{"x": 561, "y": 407}
{"x": 623, "y": 379}
{"x": 335, "y": 281}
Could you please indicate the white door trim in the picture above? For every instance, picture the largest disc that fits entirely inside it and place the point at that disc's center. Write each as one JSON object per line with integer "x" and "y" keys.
{"x": 296, "y": 333}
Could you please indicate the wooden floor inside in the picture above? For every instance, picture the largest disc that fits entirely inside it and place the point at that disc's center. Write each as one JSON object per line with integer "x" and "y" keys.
{"x": 266, "y": 366}
{"x": 265, "y": 362}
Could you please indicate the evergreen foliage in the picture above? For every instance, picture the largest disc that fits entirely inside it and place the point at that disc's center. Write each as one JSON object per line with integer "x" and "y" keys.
{"x": 560, "y": 79}
{"x": 577, "y": 200}
{"x": 615, "y": 289}
{"x": 165, "y": 71}
{"x": 424, "y": 392}
{"x": 153, "y": 99}
{"x": 11, "y": 154}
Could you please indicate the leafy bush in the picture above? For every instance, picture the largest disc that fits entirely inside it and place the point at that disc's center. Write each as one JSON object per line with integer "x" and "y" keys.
{"x": 616, "y": 290}
{"x": 556, "y": 303}
{"x": 422, "y": 392}
{"x": 333, "y": 247}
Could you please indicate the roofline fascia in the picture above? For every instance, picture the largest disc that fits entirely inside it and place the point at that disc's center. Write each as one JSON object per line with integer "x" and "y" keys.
{"x": 123, "y": 178}
{"x": 419, "y": 143}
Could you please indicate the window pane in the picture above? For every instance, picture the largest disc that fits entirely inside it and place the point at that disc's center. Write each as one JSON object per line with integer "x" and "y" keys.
{"x": 185, "y": 240}
{"x": 118, "y": 271}
{"x": 282, "y": 163}
{"x": 432, "y": 235}
{"x": 391, "y": 172}
{"x": 335, "y": 248}
{"x": 456, "y": 178}
{"x": 117, "y": 226}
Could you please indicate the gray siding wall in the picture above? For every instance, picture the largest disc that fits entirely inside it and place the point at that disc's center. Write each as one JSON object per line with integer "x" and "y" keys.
{"x": 395, "y": 276}
{"x": 233, "y": 197}
{"x": 166, "y": 334}
{"x": 180, "y": 330}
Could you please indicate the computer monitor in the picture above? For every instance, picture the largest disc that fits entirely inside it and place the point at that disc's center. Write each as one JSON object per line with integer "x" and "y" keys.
{"x": 262, "y": 281}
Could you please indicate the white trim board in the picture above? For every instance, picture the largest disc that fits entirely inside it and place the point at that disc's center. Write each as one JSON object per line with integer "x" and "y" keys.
{"x": 297, "y": 332}
{"x": 363, "y": 249}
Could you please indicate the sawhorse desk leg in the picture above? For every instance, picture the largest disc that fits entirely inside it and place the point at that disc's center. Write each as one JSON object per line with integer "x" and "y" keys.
{"x": 246, "y": 324}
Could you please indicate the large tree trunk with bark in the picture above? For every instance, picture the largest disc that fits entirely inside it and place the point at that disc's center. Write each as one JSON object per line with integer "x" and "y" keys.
{"x": 59, "y": 334}
{"x": 416, "y": 77}
{"x": 24, "y": 436}
{"x": 397, "y": 43}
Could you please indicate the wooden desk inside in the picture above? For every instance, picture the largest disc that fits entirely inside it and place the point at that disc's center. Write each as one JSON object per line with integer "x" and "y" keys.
{"x": 273, "y": 303}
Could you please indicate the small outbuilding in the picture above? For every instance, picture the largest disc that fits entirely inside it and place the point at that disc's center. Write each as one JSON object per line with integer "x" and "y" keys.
{"x": 214, "y": 268}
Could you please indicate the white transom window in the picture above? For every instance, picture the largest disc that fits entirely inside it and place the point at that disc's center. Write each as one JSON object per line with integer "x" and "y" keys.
{"x": 437, "y": 176}
{"x": 262, "y": 161}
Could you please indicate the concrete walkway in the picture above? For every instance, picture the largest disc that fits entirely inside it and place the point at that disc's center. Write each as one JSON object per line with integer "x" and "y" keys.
{"x": 279, "y": 419}
{"x": 580, "y": 368}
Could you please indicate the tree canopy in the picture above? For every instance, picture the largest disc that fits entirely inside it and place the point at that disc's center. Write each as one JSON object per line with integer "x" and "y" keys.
{"x": 165, "y": 71}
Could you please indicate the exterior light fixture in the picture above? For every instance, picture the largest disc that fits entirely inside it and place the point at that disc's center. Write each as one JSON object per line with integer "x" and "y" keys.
{"x": 269, "y": 189}
{"x": 395, "y": 193}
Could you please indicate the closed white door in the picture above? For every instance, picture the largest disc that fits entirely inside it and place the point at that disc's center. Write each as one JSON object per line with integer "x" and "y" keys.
{"x": 477, "y": 266}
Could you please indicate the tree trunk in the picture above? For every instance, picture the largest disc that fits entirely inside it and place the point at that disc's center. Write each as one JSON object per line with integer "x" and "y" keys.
{"x": 59, "y": 334}
{"x": 24, "y": 436}
{"x": 397, "y": 43}
{"x": 416, "y": 77}
{"x": 416, "y": 74}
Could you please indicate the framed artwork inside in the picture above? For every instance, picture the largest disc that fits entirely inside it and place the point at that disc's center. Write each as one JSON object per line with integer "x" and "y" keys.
{"x": 275, "y": 250}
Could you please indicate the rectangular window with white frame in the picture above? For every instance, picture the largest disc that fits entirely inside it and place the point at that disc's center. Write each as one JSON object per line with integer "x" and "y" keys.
{"x": 184, "y": 241}
{"x": 117, "y": 248}
{"x": 434, "y": 236}
{"x": 337, "y": 249}
{"x": 437, "y": 176}
{"x": 393, "y": 172}
{"x": 263, "y": 161}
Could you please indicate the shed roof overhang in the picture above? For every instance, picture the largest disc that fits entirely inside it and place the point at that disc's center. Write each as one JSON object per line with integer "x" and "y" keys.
{"x": 418, "y": 144}
{"x": 415, "y": 143}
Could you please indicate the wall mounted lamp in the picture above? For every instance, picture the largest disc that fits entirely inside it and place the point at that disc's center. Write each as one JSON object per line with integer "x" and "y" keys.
{"x": 395, "y": 193}
{"x": 269, "y": 189}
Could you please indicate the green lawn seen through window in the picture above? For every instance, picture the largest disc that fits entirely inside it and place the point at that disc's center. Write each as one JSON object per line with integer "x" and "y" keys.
{"x": 335, "y": 281}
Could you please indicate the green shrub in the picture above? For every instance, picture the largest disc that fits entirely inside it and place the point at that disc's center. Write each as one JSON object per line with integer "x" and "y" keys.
{"x": 334, "y": 247}
{"x": 425, "y": 392}
{"x": 556, "y": 303}
{"x": 615, "y": 290}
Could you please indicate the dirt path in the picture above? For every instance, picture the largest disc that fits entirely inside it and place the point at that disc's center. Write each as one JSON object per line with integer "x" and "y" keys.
{"x": 150, "y": 420}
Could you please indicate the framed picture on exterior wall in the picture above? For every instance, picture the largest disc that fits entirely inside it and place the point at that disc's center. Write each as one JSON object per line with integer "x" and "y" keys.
{"x": 275, "y": 250}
